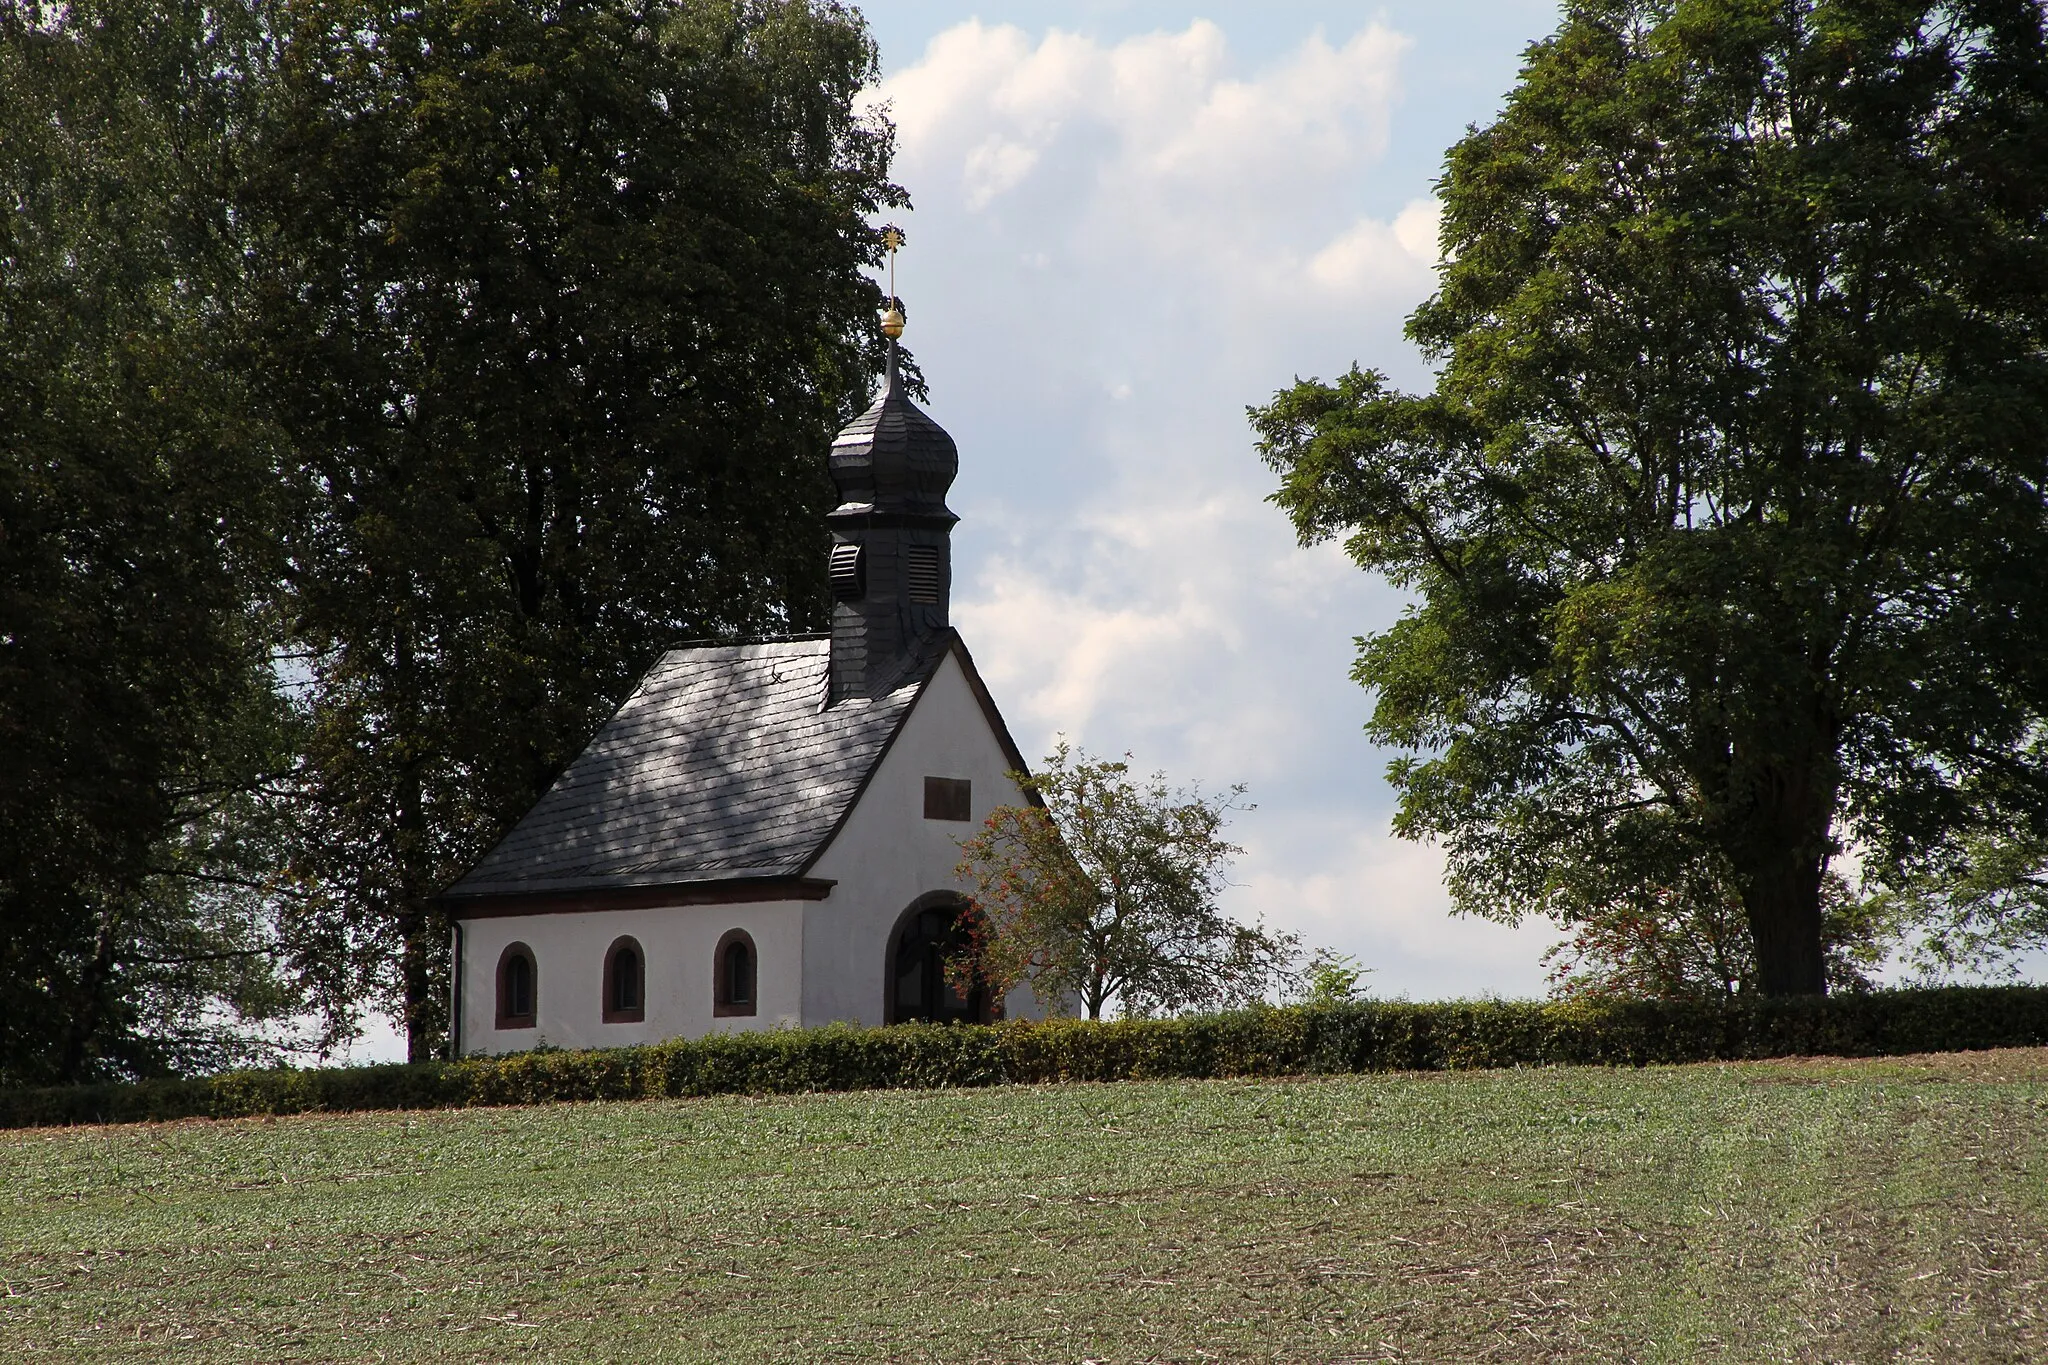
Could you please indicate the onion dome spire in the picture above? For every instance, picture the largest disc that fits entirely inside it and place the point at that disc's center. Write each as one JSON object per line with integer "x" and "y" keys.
{"x": 891, "y": 562}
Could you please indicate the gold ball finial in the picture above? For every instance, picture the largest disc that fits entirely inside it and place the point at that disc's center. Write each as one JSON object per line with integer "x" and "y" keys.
{"x": 892, "y": 320}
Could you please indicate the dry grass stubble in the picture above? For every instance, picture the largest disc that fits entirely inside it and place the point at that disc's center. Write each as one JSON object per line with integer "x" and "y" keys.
{"x": 1813, "y": 1210}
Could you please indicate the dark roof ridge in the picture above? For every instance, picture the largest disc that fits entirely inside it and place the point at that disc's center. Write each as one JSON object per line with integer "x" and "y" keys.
{"x": 986, "y": 700}
{"x": 711, "y": 642}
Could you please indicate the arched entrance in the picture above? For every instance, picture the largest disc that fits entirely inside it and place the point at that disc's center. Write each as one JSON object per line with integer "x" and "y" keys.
{"x": 930, "y": 933}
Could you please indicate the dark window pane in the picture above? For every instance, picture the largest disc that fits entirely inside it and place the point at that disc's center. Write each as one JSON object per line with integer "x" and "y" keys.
{"x": 948, "y": 798}
{"x": 739, "y": 975}
{"x": 626, "y": 980}
{"x": 518, "y": 987}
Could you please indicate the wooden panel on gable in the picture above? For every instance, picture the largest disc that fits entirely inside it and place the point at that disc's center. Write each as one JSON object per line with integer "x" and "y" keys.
{"x": 948, "y": 798}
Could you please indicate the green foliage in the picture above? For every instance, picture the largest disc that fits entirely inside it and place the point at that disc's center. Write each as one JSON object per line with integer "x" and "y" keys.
{"x": 1334, "y": 1039}
{"x": 1667, "y": 946}
{"x": 386, "y": 385}
{"x": 138, "y": 515}
{"x": 1977, "y": 909}
{"x": 1107, "y": 892}
{"x": 1332, "y": 978}
{"x": 560, "y": 306}
{"x": 1724, "y": 519}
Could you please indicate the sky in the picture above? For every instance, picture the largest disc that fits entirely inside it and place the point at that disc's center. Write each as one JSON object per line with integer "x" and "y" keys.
{"x": 1132, "y": 221}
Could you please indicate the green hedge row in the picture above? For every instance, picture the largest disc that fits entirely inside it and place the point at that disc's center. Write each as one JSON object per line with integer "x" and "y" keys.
{"x": 1363, "y": 1037}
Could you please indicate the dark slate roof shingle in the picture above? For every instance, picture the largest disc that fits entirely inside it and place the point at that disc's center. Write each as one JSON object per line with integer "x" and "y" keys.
{"x": 721, "y": 765}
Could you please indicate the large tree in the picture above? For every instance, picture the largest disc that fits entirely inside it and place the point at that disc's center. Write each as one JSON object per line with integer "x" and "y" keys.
{"x": 139, "y": 723}
{"x": 1725, "y": 518}
{"x": 560, "y": 307}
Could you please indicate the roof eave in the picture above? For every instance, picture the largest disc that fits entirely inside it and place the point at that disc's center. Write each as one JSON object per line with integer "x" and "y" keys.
{"x": 572, "y": 900}
{"x": 991, "y": 715}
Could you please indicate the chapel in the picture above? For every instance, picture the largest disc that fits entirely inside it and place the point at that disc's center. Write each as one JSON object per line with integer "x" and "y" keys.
{"x": 763, "y": 835}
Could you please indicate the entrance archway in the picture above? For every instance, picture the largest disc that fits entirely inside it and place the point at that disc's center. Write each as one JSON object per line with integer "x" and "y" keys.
{"x": 929, "y": 933}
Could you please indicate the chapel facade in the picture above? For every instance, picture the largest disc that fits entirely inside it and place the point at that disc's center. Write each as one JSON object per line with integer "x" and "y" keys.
{"x": 763, "y": 835}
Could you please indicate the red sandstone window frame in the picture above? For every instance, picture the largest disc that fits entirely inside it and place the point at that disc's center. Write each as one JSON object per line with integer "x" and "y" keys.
{"x": 723, "y": 1005}
{"x": 614, "y": 1012}
{"x": 506, "y": 1019}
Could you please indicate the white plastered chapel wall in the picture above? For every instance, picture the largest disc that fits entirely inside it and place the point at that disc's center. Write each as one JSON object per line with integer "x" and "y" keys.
{"x": 818, "y": 962}
{"x": 887, "y": 854}
{"x": 679, "y": 944}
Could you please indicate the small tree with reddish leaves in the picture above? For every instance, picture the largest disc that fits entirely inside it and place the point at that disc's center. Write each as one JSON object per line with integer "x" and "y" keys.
{"x": 1106, "y": 892}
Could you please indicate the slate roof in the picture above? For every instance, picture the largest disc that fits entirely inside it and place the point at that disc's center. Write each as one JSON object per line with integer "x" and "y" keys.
{"x": 721, "y": 765}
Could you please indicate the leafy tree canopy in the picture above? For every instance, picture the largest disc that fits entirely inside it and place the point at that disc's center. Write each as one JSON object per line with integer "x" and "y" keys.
{"x": 138, "y": 720}
{"x": 560, "y": 307}
{"x": 384, "y": 386}
{"x": 1725, "y": 517}
{"x": 1979, "y": 908}
{"x": 1106, "y": 891}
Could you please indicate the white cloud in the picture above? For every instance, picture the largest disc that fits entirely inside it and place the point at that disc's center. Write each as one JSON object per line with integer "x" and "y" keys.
{"x": 1117, "y": 246}
{"x": 1145, "y": 618}
{"x": 1382, "y": 900}
{"x": 1103, "y": 650}
{"x": 1151, "y": 144}
{"x": 994, "y": 166}
{"x": 960, "y": 66}
{"x": 1372, "y": 254}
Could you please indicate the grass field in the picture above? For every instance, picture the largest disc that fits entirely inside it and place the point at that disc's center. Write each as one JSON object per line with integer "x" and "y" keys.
{"x": 1837, "y": 1211}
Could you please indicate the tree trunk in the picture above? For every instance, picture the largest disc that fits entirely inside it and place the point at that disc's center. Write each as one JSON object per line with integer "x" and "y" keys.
{"x": 1782, "y": 901}
{"x": 422, "y": 936}
{"x": 1785, "y": 838}
{"x": 90, "y": 999}
{"x": 426, "y": 1025}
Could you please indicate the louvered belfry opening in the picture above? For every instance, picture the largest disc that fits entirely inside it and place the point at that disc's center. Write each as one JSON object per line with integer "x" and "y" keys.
{"x": 891, "y": 557}
{"x": 921, "y": 573}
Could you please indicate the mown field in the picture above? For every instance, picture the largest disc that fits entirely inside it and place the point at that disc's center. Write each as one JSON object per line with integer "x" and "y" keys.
{"x": 1811, "y": 1210}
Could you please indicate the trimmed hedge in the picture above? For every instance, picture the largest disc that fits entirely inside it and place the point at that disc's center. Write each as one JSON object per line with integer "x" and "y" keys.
{"x": 1370, "y": 1036}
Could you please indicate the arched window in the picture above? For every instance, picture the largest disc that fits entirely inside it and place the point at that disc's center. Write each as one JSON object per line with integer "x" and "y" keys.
{"x": 625, "y": 983}
{"x": 518, "y": 987}
{"x": 930, "y": 935}
{"x": 736, "y": 970}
